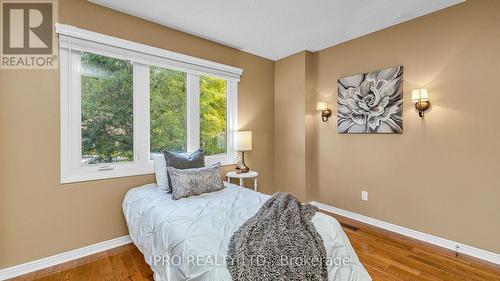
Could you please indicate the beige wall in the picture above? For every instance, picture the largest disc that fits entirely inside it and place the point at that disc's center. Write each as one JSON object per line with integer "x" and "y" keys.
{"x": 290, "y": 136}
{"x": 441, "y": 176}
{"x": 38, "y": 216}
{"x": 310, "y": 123}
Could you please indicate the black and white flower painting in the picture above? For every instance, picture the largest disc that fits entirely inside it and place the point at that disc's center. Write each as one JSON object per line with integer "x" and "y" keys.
{"x": 371, "y": 102}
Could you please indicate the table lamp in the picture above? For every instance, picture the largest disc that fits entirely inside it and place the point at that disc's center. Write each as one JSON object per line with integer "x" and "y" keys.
{"x": 242, "y": 142}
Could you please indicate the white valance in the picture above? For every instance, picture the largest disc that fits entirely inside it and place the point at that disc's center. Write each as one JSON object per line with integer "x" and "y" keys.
{"x": 78, "y": 39}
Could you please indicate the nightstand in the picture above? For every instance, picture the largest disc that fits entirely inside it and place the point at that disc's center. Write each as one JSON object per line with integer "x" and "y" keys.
{"x": 250, "y": 175}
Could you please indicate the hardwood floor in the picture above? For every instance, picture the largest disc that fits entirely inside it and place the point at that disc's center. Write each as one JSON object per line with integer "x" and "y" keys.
{"x": 386, "y": 256}
{"x": 390, "y": 256}
{"x": 122, "y": 263}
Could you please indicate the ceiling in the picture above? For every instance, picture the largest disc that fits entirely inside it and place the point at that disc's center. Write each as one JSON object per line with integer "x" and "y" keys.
{"x": 278, "y": 28}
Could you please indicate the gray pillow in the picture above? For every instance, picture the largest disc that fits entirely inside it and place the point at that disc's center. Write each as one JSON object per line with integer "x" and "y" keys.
{"x": 181, "y": 161}
{"x": 196, "y": 181}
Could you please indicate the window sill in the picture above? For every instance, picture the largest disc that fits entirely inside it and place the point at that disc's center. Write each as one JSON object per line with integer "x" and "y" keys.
{"x": 123, "y": 171}
{"x": 119, "y": 172}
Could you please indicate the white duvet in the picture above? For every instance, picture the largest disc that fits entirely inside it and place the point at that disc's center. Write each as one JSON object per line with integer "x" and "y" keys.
{"x": 187, "y": 239}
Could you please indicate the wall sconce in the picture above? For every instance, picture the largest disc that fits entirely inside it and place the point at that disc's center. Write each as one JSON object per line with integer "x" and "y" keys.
{"x": 421, "y": 99}
{"x": 325, "y": 111}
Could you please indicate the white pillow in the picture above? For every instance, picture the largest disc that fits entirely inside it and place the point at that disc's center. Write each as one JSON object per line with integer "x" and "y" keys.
{"x": 160, "y": 166}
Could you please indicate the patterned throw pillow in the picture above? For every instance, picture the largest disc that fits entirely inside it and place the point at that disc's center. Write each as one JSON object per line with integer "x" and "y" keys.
{"x": 196, "y": 181}
{"x": 182, "y": 161}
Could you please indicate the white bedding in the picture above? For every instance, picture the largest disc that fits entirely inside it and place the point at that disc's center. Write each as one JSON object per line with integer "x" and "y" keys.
{"x": 187, "y": 239}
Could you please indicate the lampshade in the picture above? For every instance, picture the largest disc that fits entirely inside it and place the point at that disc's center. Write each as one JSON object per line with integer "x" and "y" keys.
{"x": 322, "y": 105}
{"x": 419, "y": 95}
{"x": 243, "y": 140}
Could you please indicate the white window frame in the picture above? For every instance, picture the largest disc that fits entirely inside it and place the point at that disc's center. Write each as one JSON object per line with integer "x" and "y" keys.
{"x": 73, "y": 41}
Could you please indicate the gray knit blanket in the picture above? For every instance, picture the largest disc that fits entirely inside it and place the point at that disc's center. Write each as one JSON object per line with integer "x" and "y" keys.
{"x": 278, "y": 243}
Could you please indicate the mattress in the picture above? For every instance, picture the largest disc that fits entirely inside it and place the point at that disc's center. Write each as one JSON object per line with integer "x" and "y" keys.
{"x": 187, "y": 239}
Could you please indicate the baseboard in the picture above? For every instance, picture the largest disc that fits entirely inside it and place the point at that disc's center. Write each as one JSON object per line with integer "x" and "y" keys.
{"x": 431, "y": 239}
{"x": 35, "y": 265}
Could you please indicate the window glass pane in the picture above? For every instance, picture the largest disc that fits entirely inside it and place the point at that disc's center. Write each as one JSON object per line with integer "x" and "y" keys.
{"x": 168, "y": 113}
{"x": 107, "y": 109}
{"x": 213, "y": 135}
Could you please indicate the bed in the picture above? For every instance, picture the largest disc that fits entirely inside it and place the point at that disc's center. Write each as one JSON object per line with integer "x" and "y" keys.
{"x": 187, "y": 239}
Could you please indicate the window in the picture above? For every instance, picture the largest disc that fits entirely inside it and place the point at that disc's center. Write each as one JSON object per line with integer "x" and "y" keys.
{"x": 122, "y": 101}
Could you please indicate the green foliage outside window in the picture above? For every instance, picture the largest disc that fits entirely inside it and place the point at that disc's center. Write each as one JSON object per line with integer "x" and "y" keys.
{"x": 213, "y": 115}
{"x": 107, "y": 109}
{"x": 168, "y": 114}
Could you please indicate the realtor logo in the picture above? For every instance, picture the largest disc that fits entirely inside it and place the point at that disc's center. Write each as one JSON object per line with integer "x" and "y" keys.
{"x": 28, "y": 39}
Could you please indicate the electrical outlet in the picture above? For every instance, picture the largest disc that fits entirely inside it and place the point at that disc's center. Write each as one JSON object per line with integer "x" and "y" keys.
{"x": 364, "y": 195}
